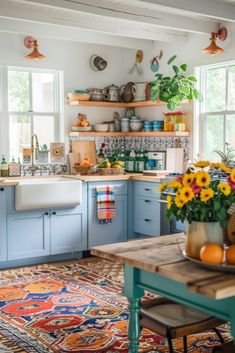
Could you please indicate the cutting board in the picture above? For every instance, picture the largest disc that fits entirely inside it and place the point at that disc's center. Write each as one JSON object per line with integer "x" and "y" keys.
{"x": 85, "y": 148}
{"x": 175, "y": 159}
{"x": 73, "y": 158}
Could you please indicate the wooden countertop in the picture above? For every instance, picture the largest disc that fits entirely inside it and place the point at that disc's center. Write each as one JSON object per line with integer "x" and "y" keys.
{"x": 12, "y": 181}
{"x": 163, "y": 255}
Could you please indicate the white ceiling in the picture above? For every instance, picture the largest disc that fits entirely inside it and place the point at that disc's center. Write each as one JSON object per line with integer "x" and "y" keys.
{"x": 130, "y": 22}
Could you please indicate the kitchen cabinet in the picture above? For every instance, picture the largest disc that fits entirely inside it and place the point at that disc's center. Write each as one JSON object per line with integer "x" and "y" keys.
{"x": 100, "y": 234}
{"x": 146, "y": 210}
{"x": 3, "y": 236}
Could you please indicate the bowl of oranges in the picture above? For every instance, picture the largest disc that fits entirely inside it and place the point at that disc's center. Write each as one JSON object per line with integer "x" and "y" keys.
{"x": 81, "y": 124}
{"x": 216, "y": 257}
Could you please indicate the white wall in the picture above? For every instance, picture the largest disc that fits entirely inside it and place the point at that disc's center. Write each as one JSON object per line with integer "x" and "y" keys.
{"x": 73, "y": 59}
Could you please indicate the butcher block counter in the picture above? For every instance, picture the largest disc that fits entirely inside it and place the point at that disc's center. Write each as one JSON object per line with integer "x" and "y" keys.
{"x": 156, "y": 264}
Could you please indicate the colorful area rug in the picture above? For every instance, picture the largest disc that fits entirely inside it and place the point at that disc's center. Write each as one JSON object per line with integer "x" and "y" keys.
{"x": 75, "y": 307}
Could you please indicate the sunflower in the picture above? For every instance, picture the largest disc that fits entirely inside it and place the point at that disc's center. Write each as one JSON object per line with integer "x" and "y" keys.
{"x": 215, "y": 165}
{"x": 169, "y": 201}
{"x": 162, "y": 186}
{"x": 179, "y": 201}
{"x": 203, "y": 178}
{"x": 188, "y": 179}
{"x": 224, "y": 169}
{"x": 206, "y": 194}
{"x": 232, "y": 175}
{"x": 174, "y": 184}
{"x": 187, "y": 193}
{"x": 202, "y": 164}
{"x": 224, "y": 188}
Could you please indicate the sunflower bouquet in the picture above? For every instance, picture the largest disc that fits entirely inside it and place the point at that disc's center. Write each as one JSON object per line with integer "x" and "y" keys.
{"x": 194, "y": 196}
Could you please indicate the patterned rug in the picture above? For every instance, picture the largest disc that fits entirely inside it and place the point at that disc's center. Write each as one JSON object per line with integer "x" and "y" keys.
{"x": 75, "y": 307}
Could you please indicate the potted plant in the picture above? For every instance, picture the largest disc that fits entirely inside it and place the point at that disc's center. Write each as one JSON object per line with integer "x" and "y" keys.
{"x": 203, "y": 203}
{"x": 227, "y": 157}
{"x": 174, "y": 89}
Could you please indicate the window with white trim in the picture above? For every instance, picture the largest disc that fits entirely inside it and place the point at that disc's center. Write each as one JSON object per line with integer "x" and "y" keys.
{"x": 32, "y": 105}
{"x": 215, "y": 116}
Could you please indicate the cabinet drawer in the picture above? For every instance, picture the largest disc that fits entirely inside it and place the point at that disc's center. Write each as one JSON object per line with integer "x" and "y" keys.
{"x": 147, "y": 206}
{"x": 120, "y": 188}
{"x": 142, "y": 188}
{"x": 147, "y": 226}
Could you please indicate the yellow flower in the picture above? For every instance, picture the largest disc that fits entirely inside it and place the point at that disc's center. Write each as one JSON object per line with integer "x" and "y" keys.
{"x": 174, "y": 184}
{"x": 215, "y": 165}
{"x": 202, "y": 178}
{"x": 169, "y": 201}
{"x": 206, "y": 194}
{"x": 224, "y": 188}
{"x": 202, "y": 164}
{"x": 232, "y": 175}
{"x": 187, "y": 193}
{"x": 188, "y": 179}
{"x": 162, "y": 186}
{"x": 224, "y": 169}
{"x": 179, "y": 201}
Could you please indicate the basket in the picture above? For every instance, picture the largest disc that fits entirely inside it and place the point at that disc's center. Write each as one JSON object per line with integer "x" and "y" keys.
{"x": 110, "y": 171}
{"x": 83, "y": 169}
{"x": 78, "y": 96}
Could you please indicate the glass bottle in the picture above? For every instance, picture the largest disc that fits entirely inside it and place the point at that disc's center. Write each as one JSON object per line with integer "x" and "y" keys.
{"x": 4, "y": 167}
{"x": 131, "y": 161}
{"x": 14, "y": 169}
{"x": 101, "y": 156}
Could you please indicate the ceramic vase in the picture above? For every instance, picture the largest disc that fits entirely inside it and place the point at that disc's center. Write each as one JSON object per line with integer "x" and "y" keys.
{"x": 199, "y": 233}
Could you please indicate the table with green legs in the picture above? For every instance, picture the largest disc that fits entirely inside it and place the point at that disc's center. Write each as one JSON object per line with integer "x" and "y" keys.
{"x": 156, "y": 265}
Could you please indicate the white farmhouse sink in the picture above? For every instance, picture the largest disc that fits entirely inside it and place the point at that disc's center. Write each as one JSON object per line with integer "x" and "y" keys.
{"x": 47, "y": 192}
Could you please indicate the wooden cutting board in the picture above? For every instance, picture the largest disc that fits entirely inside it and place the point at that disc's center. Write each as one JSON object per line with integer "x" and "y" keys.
{"x": 85, "y": 148}
{"x": 73, "y": 158}
{"x": 175, "y": 159}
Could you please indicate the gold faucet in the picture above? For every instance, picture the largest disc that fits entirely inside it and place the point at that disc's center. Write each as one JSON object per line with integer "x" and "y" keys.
{"x": 34, "y": 149}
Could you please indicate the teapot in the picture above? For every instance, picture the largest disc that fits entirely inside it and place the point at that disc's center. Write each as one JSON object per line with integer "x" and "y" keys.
{"x": 112, "y": 93}
{"x": 127, "y": 92}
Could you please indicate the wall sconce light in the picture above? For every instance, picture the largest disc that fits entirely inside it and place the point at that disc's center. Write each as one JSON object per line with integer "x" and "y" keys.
{"x": 137, "y": 69}
{"x": 213, "y": 49}
{"x": 29, "y": 43}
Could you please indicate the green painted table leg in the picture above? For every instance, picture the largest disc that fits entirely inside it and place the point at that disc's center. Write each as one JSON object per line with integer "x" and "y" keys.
{"x": 134, "y": 324}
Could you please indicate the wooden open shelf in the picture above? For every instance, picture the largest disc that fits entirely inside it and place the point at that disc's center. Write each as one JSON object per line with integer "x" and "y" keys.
{"x": 142, "y": 133}
{"x": 121, "y": 104}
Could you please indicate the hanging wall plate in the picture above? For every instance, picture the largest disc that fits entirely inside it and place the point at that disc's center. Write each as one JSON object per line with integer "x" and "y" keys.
{"x": 139, "y": 56}
{"x": 97, "y": 63}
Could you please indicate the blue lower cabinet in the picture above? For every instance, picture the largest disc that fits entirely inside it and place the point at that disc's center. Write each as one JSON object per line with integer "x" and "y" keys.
{"x": 28, "y": 235}
{"x": 68, "y": 227}
{"x": 3, "y": 228}
{"x": 114, "y": 232}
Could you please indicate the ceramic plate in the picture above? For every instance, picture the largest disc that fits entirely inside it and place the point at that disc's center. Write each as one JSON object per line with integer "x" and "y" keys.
{"x": 221, "y": 268}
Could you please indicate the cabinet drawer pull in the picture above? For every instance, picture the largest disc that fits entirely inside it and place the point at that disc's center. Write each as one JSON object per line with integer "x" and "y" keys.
{"x": 2, "y": 189}
{"x": 46, "y": 213}
{"x": 54, "y": 213}
{"x": 147, "y": 220}
{"x": 147, "y": 201}
{"x": 147, "y": 189}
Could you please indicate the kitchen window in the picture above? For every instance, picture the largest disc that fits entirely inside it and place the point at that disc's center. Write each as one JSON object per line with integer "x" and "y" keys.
{"x": 32, "y": 104}
{"x": 215, "y": 117}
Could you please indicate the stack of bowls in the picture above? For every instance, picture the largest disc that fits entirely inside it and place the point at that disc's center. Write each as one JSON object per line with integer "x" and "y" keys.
{"x": 148, "y": 126}
{"x": 125, "y": 124}
{"x": 158, "y": 125}
{"x": 136, "y": 124}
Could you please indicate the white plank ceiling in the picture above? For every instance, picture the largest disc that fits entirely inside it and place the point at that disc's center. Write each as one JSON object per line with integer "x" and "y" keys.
{"x": 132, "y": 23}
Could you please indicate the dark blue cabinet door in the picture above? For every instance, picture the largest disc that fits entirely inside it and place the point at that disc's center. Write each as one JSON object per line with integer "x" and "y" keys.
{"x": 3, "y": 251}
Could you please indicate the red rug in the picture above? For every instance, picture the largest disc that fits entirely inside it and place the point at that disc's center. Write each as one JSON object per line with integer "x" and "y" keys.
{"x": 74, "y": 308}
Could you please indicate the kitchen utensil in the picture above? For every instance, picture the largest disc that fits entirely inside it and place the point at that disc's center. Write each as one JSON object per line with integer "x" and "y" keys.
{"x": 97, "y": 94}
{"x": 85, "y": 149}
{"x": 76, "y": 95}
{"x": 113, "y": 93}
{"x": 127, "y": 92}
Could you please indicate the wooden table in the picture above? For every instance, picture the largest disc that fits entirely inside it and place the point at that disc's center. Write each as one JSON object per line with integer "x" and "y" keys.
{"x": 156, "y": 264}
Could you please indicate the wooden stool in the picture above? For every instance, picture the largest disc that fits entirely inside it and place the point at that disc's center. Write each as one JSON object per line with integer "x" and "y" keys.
{"x": 173, "y": 320}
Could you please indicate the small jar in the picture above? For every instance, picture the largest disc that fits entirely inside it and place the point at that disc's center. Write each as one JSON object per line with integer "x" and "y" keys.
{"x": 166, "y": 121}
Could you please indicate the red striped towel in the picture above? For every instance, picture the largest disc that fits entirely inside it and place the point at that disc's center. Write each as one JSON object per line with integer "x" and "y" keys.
{"x": 106, "y": 210}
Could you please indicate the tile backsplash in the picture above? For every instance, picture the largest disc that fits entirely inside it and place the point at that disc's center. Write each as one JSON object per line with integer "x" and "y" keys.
{"x": 150, "y": 143}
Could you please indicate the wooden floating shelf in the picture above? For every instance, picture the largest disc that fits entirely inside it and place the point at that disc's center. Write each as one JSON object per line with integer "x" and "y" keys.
{"x": 121, "y": 104}
{"x": 142, "y": 133}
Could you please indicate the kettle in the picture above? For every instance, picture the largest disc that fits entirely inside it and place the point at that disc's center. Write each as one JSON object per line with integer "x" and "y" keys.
{"x": 112, "y": 93}
{"x": 127, "y": 92}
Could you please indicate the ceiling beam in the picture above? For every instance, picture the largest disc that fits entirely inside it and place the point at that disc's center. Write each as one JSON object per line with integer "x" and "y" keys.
{"x": 131, "y": 12}
{"x": 206, "y": 8}
{"x": 31, "y": 11}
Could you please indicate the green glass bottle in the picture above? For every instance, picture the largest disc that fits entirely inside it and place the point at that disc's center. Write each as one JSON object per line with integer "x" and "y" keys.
{"x": 4, "y": 167}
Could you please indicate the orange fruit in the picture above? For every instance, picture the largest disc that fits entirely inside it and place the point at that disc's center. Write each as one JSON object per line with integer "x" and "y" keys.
{"x": 212, "y": 253}
{"x": 230, "y": 255}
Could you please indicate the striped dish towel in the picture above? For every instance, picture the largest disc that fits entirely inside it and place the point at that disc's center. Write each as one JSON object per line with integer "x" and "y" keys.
{"x": 106, "y": 210}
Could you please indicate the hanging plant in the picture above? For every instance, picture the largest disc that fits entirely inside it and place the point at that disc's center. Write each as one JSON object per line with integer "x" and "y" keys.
{"x": 174, "y": 89}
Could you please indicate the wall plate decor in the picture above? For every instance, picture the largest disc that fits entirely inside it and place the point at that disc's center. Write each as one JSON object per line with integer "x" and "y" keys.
{"x": 57, "y": 152}
{"x": 154, "y": 66}
{"x": 97, "y": 63}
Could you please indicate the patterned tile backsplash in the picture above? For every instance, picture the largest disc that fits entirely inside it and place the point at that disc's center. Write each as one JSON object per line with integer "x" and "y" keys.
{"x": 151, "y": 143}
